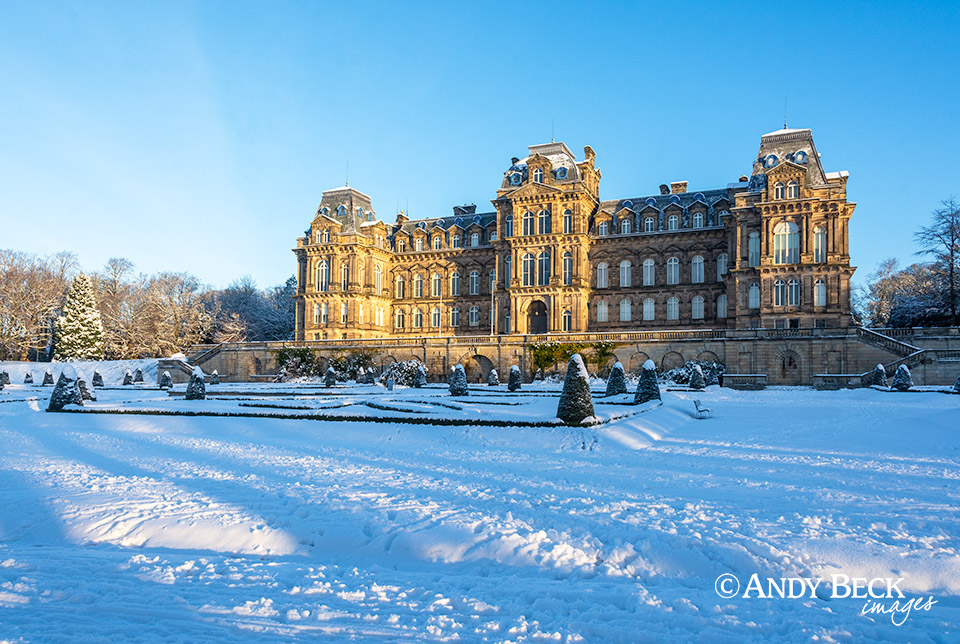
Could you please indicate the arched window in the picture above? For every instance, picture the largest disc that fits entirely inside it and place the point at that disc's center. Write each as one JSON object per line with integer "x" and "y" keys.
{"x": 538, "y": 175}
{"x": 543, "y": 268}
{"x": 673, "y": 271}
{"x": 377, "y": 279}
{"x": 567, "y": 268}
{"x": 602, "y": 228}
{"x": 625, "y": 273}
{"x": 508, "y": 226}
{"x": 786, "y": 243}
{"x": 754, "y": 299}
{"x": 625, "y": 227}
{"x": 435, "y": 317}
{"x": 436, "y": 285}
{"x": 455, "y": 241}
{"x": 753, "y": 250}
{"x": 819, "y": 245}
{"x": 696, "y": 270}
{"x": 345, "y": 275}
{"x": 567, "y": 318}
{"x": 602, "y": 311}
{"x": 528, "y": 223}
{"x": 455, "y": 316}
{"x": 323, "y": 276}
{"x": 492, "y": 235}
{"x": 343, "y": 312}
{"x": 778, "y": 190}
{"x": 696, "y": 308}
{"x": 649, "y": 272}
{"x": 698, "y": 220}
{"x": 437, "y": 242}
{"x": 793, "y": 190}
{"x": 400, "y": 289}
{"x": 341, "y": 211}
{"x": 418, "y": 286}
{"x": 474, "y": 316}
{"x": 673, "y": 309}
{"x": 417, "y": 319}
{"x": 625, "y": 310}
{"x": 602, "y": 275}
{"x": 779, "y": 293}
{"x": 316, "y": 314}
{"x": 360, "y": 314}
{"x": 649, "y": 225}
{"x": 793, "y": 292}
{"x": 528, "y": 269}
{"x": 491, "y": 281}
{"x": 399, "y": 318}
{"x": 673, "y": 222}
{"x": 474, "y": 240}
{"x": 649, "y": 309}
{"x": 721, "y": 266}
{"x": 820, "y": 293}
{"x": 543, "y": 222}
{"x": 324, "y": 313}
{"x": 455, "y": 284}
{"x": 474, "y": 282}
{"x": 401, "y": 246}
{"x": 721, "y": 306}
{"x": 507, "y": 271}
{"x": 567, "y": 221}
{"x": 418, "y": 244}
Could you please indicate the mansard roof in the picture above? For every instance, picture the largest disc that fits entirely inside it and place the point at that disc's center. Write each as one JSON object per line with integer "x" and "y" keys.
{"x": 484, "y": 219}
{"x": 660, "y": 202}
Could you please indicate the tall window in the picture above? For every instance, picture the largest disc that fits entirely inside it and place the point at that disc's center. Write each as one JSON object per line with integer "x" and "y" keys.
{"x": 696, "y": 308}
{"x": 567, "y": 221}
{"x": 455, "y": 241}
{"x": 649, "y": 272}
{"x": 324, "y": 313}
{"x": 436, "y": 285}
{"x": 417, "y": 319}
{"x": 673, "y": 271}
{"x": 819, "y": 245}
{"x": 696, "y": 270}
{"x": 625, "y": 227}
{"x": 778, "y": 190}
{"x": 437, "y": 242}
{"x": 698, "y": 220}
{"x": 377, "y": 279}
{"x": 507, "y": 271}
{"x": 567, "y": 321}
{"x": 401, "y": 246}
{"x": 455, "y": 284}
{"x": 474, "y": 282}
{"x": 754, "y": 298}
{"x": 625, "y": 270}
{"x": 625, "y": 310}
{"x": 435, "y": 317}
{"x": 343, "y": 312}
{"x": 528, "y": 223}
{"x": 474, "y": 316}
{"x": 543, "y": 268}
{"x": 649, "y": 309}
{"x": 721, "y": 306}
{"x": 345, "y": 275}
{"x": 673, "y": 309}
{"x": 323, "y": 276}
{"x": 326, "y": 235}
{"x": 602, "y": 275}
{"x": 820, "y": 293}
{"x": 474, "y": 240}
{"x": 753, "y": 250}
{"x": 649, "y": 225}
{"x": 538, "y": 175}
{"x": 602, "y": 311}
{"x": 379, "y": 316}
{"x": 779, "y": 293}
{"x": 400, "y": 288}
{"x": 455, "y": 316}
{"x": 418, "y": 286}
{"x": 793, "y": 190}
{"x": 418, "y": 245}
{"x": 786, "y": 243}
{"x": 527, "y": 269}
{"x": 491, "y": 281}
{"x": 399, "y": 318}
{"x": 602, "y": 228}
{"x": 543, "y": 222}
{"x": 567, "y": 268}
{"x": 721, "y": 266}
{"x": 673, "y": 222}
{"x": 316, "y": 314}
{"x": 508, "y": 226}
{"x": 360, "y": 314}
{"x": 793, "y": 292}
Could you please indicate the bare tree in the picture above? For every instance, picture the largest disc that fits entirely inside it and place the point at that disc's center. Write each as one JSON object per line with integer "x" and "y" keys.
{"x": 942, "y": 241}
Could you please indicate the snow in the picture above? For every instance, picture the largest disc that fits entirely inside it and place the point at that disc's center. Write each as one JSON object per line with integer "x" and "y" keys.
{"x": 112, "y": 371}
{"x": 649, "y": 365}
{"x": 211, "y": 528}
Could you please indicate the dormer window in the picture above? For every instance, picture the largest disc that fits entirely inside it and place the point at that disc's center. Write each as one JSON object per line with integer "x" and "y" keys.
{"x": 419, "y": 244}
{"x": 770, "y": 161}
{"x": 602, "y": 228}
{"x": 341, "y": 210}
{"x": 516, "y": 179}
{"x": 625, "y": 227}
{"x": 793, "y": 190}
{"x": 401, "y": 246}
{"x": 538, "y": 175}
{"x": 698, "y": 220}
{"x": 474, "y": 239}
{"x": 437, "y": 242}
{"x": 649, "y": 225}
{"x": 456, "y": 241}
{"x": 561, "y": 173}
{"x": 779, "y": 190}
{"x": 673, "y": 222}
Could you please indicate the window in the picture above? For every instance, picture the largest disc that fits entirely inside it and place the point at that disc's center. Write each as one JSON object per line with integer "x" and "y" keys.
{"x": 528, "y": 223}
{"x": 721, "y": 266}
{"x": 778, "y": 190}
{"x": 418, "y": 286}
{"x": 673, "y": 309}
{"x": 377, "y": 279}
{"x": 567, "y": 221}
{"x": 793, "y": 292}
{"x": 779, "y": 293}
{"x": 793, "y": 190}
{"x": 437, "y": 242}
{"x": 455, "y": 316}
{"x": 343, "y": 313}
{"x": 401, "y": 246}
{"x": 543, "y": 268}
{"x": 567, "y": 319}
{"x": 696, "y": 270}
{"x": 649, "y": 268}
{"x": 316, "y": 314}
{"x": 341, "y": 211}
{"x": 379, "y": 321}
{"x": 507, "y": 271}
{"x": 324, "y": 313}
{"x": 455, "y": 284}
{"x": 561, "y": 173}
{"x": 326, "y": 235}
{"x": 400, "y": 287}
{"x": 527, "y": 268}
{"x": 399, "y": 319}
{"x": 649, "y": 309}
{"x": 819, "y": 245}
{"x": 435, "y": 317}
{"x": 345, "y": 275}
{"x": 698, "y": 220}
{"x": 474, "y": 240}
{"x": 625, "y": 310}
{"x": 721, "y": 306}
{"x": 491, "y": 281}
{"x": 754, "y": 299}
{"x": 360, "y": 279}
{"x": 474, "y": 316}
{"x": 673, "y": 223}
{"x": 538, "y": 175}
{"x": 625, "y": 227}
{"x": 820, "y": 293}
{"x": 417, "y": 319}
{"x": 323, "y": 276}
{"x": 474, "y": 282}
{"x": 696, "y": 308}
{"x": 673, "y": 271}
{"x": 419, "y": 244}
{"x": 649, "y": 225}
{"x": 753, "y": 250}
{"x": 625, "y": 271}
{"x": 360, "y": 314}
{"x": 567, "y": 268}
{"x": 602, "y": 228}
{"x": 436, "y": 285}
{"x": 602, "y": 311}
{"x": 602, "y": 275}
{"x": 508, "y": 226}
{"x": 780, "y": 323}
{"x": 543, "y": 222}
{"x": 786, "y": 243}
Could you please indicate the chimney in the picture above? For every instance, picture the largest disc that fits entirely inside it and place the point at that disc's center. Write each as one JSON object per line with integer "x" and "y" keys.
{"x": 664, "y": 189}
{"x": 676, "y": 187}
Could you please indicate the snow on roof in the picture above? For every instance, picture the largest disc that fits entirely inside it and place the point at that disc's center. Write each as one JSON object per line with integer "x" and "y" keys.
{"x": 786, "y": 131}
{"x": 346, "y": 188}
{"x": 837, "y": 175}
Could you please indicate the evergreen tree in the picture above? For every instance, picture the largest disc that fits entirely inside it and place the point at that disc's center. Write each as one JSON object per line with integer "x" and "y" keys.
{"x": 538, "y": 375}
{"x": 330, "y": 379}
{"x": 196, "y": 389}
{"x": 616, "y": 383}
{"x": 215, "y": 377}
{"x": 696, "y": 378}
{"x": 86, "y": 390}
{"x": 420, "y": 379}
{"x": 513, "y": 384}
{"x": 4, "y": 378}
{"x": 97, "y": 379}
{"x": 902, "y": 379}
{"x": 576, "y": 401}
{"x": 493, "y": 378}
{"x": 165, "y": 380}
{"x": 28, "y": 378}
{"x": 128, "y": 378}
{"x": 138, "y": 376}
{"x": 66, "y": 391}
{"x": 79, "y": 328}
{"x": 648, "y": 388}
{"x": 47, "y": 378}
{"x": 879, "y": 377}
{"x": 458, "y": 383}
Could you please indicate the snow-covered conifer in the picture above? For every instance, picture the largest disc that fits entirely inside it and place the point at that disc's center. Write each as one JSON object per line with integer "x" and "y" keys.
{"x": 576, "y": 402}
{"x": 128, "y": 378}
{"x": 538, "y": 375}
{"x": 648, "y": 388}
{"x": 493, "y": 378}
{"x": 902, "y": 379}
{"x": 697, "y": 380}
{"x": 138, "y": 376}
{"x": 4, "y": 378}
{"x": 66, "y": 392}
{"x": 361, "y": 376}
{"x": 165, "y": 380}
{"x": 196, "y": 388}
{"x": 513, "y": 384}
{"x": 79, "y": 328}
{"x": 86, "y": 389}
{"x": 420, "y": 378}
{"x": 215, "y": 377}
{"x": 97, "y": 379}
{"x": 879, "y": 377}
{"x": 390, "y": 383}
{"x": 28, "y": 378}
{"x": 458, "y": 383}
{"x": 616, "y": 383}
{"x": 47, "y": 378}
{"x": 330, "y": 379}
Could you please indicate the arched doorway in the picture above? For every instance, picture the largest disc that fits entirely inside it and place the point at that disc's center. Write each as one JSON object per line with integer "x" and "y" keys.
{"x": 537, "y": 318}
{"x": 477, "y": 368}
{"x": 789, "y": 368}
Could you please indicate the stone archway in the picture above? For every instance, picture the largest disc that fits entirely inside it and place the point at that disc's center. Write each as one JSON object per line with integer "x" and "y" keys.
{"x": 635, "y": 364}
{"x": 788, "y": 366}
{"x": 708, "y": 356}
{"x": 477, "y": 367}
{"x": 671, "y": 360}
{"x": 538, "y": 321}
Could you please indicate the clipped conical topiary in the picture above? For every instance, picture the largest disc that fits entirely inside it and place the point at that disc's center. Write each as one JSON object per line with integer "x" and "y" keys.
{"x": 697, "y": 380}
{"x": 138, "y": 376}
{"x": 28, "y": 378}
{"x": 493, "y": 378}
{"x": 330, "y": 378}
{"x": 458, "y": 383}
{"x": 47, "y": 378}
{"x": 902, "y": 379}
{"x": 616, "y": 383}
{"x": 128, "y": 378}
{"x": 420, "y": 378}
{"x": 165, "y": 380}
{"x": 576, "y": 401}
{"x": 196, "y": 388}
{"x": 538, "y": 375}
{"x": 513, "y": 383}
{"x": 4, "y": 378}
{"x": 66, "y": 392}
{"x": 79, "y": 328}
{"x": 879, "y": 377}
{"x": 97, "y": 379}
{"x": 86, "y": 389}
{"x": 648, "y": 388}
{"x": 215, "y": 377}
{"x": 361, "y": 375}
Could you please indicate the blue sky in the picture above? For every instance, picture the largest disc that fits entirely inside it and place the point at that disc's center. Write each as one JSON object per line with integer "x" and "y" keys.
{"x": 199, "y": 136}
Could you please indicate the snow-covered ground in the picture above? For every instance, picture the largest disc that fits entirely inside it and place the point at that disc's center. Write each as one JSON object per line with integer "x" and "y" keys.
{"x": 158, "y": 528}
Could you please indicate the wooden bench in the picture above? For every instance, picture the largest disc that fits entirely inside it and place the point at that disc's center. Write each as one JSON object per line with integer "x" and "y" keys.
{"x": 702, "y": 412}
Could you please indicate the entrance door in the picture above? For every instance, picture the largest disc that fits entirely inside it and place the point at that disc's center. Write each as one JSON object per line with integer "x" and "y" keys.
{"x": 537, "y": 318}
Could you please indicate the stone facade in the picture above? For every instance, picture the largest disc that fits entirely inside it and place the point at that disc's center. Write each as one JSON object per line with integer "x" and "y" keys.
{"x": 768, "y": 251}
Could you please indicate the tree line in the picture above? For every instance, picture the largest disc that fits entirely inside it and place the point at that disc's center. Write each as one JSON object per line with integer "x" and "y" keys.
{"x": 142, "y": 315}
